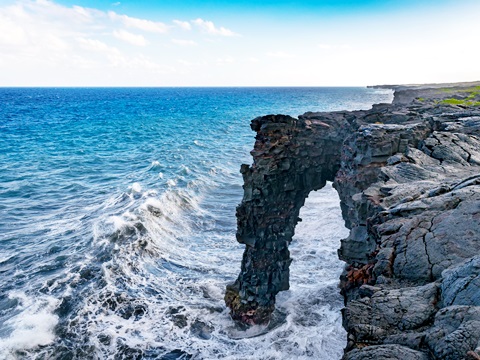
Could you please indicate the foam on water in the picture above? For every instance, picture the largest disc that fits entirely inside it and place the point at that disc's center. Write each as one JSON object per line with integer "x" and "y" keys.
{"x": 157, "y": 294}
{"x": 150, "y": 306}
{"x": 33, "y": 324}
{"x": 136, "y": 188}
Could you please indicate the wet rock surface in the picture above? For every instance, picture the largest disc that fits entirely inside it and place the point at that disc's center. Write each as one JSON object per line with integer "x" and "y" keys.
{"x": 385, "y": 352}
{"x": 408, "y": 176}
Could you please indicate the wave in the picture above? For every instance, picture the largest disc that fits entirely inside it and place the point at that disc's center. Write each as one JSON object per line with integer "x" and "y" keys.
{"x": 153, "y": 283}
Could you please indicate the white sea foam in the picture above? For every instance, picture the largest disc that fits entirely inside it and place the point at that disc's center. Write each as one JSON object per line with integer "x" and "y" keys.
{"x": 155, "y": 165}
{"x": 187, "y": 310}
{"x": 136, "y": 188}
{"x": 171, "y": 259}
{"x": 32, "y": 326}
{"x": 185, "y": 170}
{"x": 5, "y": 258}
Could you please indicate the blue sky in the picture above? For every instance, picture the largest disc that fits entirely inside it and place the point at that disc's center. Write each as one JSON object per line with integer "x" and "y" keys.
{"x": 237, "y": 43}
{"x": 285, "y": 7}
{"x": 267, "y": 10}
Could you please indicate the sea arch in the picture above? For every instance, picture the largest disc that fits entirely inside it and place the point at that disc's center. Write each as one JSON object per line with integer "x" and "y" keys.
{"x": 291, "y": 158}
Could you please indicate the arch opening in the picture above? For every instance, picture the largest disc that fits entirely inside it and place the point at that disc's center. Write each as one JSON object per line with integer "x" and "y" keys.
{"x": 313, "y": 303}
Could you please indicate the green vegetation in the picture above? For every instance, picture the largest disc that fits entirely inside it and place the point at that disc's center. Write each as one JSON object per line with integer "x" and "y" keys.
{"x": 421, "y": 99}
{"x": 446, "y": 90}
{"x": 471, "y": 100}
{"x": 452, "y": 102}
{"x": 464, "y": 102}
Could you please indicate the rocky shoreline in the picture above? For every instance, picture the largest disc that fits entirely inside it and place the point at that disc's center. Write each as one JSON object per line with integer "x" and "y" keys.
{"x": 408, "y": 176}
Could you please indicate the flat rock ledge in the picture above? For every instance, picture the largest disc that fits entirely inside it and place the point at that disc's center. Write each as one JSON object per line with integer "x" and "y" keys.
{"x": 408, "y": 176}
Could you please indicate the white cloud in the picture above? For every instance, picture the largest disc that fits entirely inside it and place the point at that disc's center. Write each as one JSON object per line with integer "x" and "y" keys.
{"x": 334, "y": 46}
{"x": 281, "y": 55}
{"x": 186, "y": 62}
{"x": 185, "y": 25}
{"x": 144, "y": 62}
{"x": 119, "y": 60}
{"x": 112, "y": 54}
{"x": 210, "y": 28}
{"x": 183, "y": 42}
{"x": 84, "y": 14}
{"x": 225, "y": 60}
{"x": 324, "y": 46}
{"x": 81, "y": 62}
{"x": 133, "y": 39}
{"x": 96, "y": 45}
{"x": 45, "y": 43}
{"x": 75, "y": 15}
{"x": 31, "y": 28}
{"x": 11, "y": 33}
{"x": 140, "y": 24}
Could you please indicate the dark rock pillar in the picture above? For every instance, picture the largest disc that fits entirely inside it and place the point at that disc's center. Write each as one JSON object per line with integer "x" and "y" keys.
{"x": 291, "y": 157}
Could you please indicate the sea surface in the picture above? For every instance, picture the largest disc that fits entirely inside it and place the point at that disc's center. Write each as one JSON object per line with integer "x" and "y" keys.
{"x": 117, "y": 225}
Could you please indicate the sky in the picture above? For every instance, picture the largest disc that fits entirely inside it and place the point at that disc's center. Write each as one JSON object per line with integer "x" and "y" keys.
{"x": 238, "y": 43}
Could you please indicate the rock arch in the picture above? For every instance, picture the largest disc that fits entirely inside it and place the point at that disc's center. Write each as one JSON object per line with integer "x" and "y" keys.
{"x": 291, "y": 157}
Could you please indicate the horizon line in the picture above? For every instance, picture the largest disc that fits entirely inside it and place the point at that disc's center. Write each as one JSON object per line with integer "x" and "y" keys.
{"x": 179, "y": 86}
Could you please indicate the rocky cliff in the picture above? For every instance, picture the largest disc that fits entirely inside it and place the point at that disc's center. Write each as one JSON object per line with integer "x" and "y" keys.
{"x": 408, "y": 176}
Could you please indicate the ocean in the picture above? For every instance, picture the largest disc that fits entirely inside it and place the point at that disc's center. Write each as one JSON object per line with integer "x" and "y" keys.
{"x": 117, "y": 225}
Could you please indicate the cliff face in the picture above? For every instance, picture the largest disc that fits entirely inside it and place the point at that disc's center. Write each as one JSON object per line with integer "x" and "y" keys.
{"x": 408, "y": 176}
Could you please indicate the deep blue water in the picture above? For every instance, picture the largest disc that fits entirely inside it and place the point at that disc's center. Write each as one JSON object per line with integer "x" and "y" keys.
{"x": 117, "y": 222}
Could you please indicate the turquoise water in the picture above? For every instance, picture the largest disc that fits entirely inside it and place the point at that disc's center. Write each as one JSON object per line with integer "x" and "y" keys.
{"x": 117, "y": 221}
